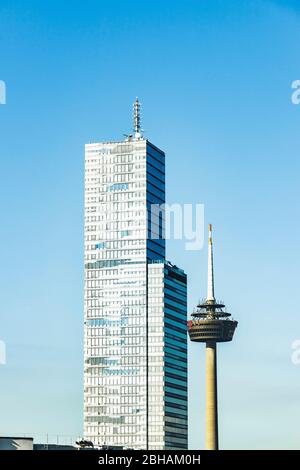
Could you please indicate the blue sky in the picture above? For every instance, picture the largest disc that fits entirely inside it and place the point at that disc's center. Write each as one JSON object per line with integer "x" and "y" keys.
{"x": 214, "y": 79}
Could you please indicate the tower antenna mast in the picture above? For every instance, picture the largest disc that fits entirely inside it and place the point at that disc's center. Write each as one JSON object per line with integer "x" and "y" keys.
{"x": 137, "y": 118}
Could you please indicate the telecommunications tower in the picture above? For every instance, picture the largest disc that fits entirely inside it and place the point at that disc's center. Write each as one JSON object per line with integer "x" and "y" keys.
{"x": 211, "y": 324}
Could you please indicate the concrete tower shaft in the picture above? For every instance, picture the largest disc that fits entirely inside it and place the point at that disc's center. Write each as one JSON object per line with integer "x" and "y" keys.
{"x": 211, "y": 408}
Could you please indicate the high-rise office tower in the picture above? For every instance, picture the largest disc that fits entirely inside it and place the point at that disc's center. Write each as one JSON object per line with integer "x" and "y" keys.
{"x": 135, "y": 345}
{"x": 211, "y": 325}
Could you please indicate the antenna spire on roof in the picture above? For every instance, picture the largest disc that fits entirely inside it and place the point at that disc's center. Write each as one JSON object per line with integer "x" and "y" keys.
{"x": 137, "y": 118}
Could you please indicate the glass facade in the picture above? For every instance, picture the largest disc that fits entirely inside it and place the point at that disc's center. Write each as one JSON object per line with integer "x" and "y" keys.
{"x": 167, "y": 356}
{"x": 128, "y": 347}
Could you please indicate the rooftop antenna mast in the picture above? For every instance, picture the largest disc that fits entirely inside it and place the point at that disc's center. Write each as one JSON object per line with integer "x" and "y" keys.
{"x": 137, "y": 118}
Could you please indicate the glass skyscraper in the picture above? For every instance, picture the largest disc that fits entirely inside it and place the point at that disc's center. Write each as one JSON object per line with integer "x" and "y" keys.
{"x": 135, "y": 342}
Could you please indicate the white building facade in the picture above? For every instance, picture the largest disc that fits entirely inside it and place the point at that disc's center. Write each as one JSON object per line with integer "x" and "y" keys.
{"x": 135, "y": 358}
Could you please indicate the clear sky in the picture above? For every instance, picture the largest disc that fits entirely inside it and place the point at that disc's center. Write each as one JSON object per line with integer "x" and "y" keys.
{"x": 214, "y": 78}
